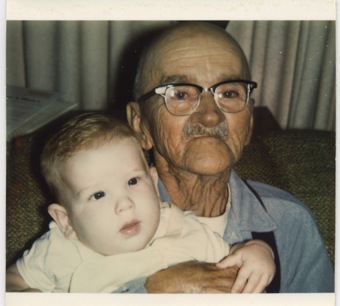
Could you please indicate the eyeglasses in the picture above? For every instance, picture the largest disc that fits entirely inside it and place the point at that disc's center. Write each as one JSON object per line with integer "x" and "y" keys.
{"x": 183, "y": 98}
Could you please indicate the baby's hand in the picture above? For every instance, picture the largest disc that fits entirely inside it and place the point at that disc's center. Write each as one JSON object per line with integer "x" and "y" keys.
{"x": 257, "y": 267}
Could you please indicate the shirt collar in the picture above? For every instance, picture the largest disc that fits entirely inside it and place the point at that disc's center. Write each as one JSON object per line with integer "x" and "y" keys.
{"x": 246, "y": 214}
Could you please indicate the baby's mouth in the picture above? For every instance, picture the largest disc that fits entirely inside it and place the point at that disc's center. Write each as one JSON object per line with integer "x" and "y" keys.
{"x": 131, "y": 228}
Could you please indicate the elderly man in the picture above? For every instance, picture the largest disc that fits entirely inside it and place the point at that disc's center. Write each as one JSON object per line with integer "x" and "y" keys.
{"x": 194, "y": 112}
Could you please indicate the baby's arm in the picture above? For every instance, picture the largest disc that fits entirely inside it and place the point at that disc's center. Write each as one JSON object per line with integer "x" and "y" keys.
{"x": 15, "y": 282}
{"x": 256, "y": 262}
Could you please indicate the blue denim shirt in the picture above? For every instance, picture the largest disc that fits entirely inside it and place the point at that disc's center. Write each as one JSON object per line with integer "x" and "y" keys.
{"x": 305, "y": 265}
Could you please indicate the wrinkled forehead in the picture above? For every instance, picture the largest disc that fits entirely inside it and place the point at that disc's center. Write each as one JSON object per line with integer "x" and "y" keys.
{"x": 196, "y": 50}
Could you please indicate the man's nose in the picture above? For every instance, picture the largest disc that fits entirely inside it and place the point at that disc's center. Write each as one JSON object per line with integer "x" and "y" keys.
{"x": 123, "y": 205}
{"x": 208, "y": 113}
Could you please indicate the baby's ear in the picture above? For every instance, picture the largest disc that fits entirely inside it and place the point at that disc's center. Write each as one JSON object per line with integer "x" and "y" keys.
{"x": 154, "y": 176}
{"x": 60, "y": 216}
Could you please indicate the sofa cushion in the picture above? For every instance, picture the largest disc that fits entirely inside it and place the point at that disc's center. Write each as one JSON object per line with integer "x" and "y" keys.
{"x": 26, "y": 213}
{"x": 305, "y": 161}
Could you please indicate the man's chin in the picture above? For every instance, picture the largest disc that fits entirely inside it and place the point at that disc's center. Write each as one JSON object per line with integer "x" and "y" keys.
{"x": 210, "y": 164}
{"x": 209, "y": 168}
{"x": 209, "y": 159}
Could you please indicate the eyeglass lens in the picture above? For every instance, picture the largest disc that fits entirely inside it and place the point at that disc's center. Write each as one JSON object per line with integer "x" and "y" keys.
{"x": 183, "y": 100}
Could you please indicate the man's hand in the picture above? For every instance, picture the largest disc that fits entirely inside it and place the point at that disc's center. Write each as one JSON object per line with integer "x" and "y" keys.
{"x": 192, "y": 277}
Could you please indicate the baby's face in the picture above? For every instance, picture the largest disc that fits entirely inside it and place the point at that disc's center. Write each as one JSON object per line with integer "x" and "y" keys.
{"x": 111, "y": 197}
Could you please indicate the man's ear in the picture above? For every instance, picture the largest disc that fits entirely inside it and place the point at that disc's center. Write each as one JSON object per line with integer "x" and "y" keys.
{"x": 133, "y": 113}
{"x": 154, "y": 176}
{"x": 60, "y": 216}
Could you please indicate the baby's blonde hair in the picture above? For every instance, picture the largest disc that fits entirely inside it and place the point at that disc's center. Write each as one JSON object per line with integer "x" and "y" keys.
{"x": 83, "y": 132}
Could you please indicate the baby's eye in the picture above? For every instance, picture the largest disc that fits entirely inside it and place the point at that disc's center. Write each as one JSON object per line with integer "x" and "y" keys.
{"x": 98, "y": 195}
{"x": 133, "y": 181}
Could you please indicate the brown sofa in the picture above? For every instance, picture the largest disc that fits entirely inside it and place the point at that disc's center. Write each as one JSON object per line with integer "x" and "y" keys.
{"x": 299, "y": 161}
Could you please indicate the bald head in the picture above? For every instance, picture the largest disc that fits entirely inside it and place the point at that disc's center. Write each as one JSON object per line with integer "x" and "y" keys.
{"x": 191, "y": 35}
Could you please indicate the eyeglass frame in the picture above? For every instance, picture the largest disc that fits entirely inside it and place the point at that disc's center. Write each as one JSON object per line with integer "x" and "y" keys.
{"x": 156, "y": 91}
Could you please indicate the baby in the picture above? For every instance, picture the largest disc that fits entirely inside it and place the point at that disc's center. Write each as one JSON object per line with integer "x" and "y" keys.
{"x": 109, "y": 225}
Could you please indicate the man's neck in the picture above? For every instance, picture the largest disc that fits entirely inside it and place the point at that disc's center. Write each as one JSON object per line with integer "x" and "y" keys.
{"x": 205, "y": 195}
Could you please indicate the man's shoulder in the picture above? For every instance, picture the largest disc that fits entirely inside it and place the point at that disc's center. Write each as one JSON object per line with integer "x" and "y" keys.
{"x": 271, "y": 192}
{"x": 279, "y": 199}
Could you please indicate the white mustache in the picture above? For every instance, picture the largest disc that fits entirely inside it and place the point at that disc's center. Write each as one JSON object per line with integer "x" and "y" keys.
{"x": 219, "y": 130}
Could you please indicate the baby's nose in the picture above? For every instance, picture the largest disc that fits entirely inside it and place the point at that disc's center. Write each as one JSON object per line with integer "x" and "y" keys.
{"x": 123, "y": 205}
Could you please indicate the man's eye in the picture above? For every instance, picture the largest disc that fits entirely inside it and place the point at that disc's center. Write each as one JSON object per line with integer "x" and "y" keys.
{"x": 230, "y": 94}
{"x": 98, "y": 195}
{"x": 176, "y": 94}
{"x": 133, "y": 181}
{"x": 180, "y": 95}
